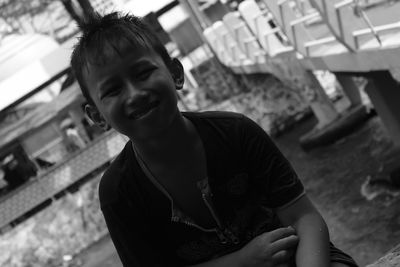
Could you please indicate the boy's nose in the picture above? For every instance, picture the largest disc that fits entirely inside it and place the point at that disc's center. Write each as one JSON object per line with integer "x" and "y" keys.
{"x": 133, "y": 93}
{"x": 135, "y": 98}
{"x": 131, "y": 90}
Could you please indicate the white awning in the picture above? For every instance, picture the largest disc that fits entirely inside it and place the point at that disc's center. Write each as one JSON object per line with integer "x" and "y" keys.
{"x": 27, "y": 64}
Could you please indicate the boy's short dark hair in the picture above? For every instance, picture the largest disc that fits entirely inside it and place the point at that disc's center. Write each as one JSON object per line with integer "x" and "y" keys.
{"x": 104, "y": 37}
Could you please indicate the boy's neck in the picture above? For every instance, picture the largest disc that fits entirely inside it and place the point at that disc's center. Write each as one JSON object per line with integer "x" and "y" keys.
{"x": 171, "y": 144}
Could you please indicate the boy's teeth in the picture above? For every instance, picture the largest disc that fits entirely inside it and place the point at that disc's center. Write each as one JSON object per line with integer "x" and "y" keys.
{"x": 144, "y": 110}
{"x": 141, "y": 114}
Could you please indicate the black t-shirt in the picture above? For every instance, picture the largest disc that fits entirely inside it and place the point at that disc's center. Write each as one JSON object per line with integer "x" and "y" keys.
{"x": 248, "y": 179}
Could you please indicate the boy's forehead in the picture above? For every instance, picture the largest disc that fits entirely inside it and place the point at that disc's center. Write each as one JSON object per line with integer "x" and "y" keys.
{"x": 110, "y": 52}
{"x": 117, "y": 62}
{"x": 112, "y": 56}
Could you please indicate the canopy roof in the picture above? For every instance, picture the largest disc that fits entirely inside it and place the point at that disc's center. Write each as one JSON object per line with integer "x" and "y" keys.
{"x": 41, "y": 115}
{"x": 28, "y": 61}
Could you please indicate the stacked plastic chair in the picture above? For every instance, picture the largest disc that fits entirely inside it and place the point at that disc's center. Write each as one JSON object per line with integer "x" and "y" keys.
{"x": 259, "y": 23}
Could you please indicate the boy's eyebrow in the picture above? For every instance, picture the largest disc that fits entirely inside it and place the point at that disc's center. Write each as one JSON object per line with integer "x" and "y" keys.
{"x": 142, "y": 63}
{"x": 112, "y": 78}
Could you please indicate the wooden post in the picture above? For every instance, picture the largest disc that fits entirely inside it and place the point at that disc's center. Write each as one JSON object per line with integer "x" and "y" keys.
{"x": 290, "y": 71}
{"x": 384, "y": 92}
{"x": 350, "y": 88}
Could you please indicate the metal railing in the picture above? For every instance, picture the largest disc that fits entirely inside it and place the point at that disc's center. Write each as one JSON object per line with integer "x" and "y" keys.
{"x": 58, "y": 178}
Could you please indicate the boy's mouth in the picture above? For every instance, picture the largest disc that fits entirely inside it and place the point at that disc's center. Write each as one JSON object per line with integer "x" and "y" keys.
{"x": 143, "y": 110}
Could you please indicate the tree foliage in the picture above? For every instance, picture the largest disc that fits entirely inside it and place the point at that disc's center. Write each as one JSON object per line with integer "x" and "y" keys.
{"x": 42, "y": 16}
{"x": 11, "y": 13}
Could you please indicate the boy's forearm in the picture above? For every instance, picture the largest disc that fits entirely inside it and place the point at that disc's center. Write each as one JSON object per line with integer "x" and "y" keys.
{"x": 229, "y": 260}
{"x": 313, "y": 247}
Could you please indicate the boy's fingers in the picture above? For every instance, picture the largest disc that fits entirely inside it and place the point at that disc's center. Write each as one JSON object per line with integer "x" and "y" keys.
{"x": 284, "y": 244}
{"x": 280, "y": 233}
{"x": 282, "y": 256}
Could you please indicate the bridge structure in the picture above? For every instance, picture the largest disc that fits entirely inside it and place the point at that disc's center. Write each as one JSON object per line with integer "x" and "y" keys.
{"x": 87, "y": 163}
{"x": 293, "y": 38}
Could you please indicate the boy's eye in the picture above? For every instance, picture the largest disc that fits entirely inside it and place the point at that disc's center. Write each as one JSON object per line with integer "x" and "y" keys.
{"x": 144, "y": 74}
{"x": 111, "y": 91}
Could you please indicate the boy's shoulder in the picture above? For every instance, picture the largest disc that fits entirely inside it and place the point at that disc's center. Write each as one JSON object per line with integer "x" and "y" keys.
{"x": 214, "y": 114}
{"x": 112, "y": 176}
{"x": 221, "y": 119}
{"x": 221, "y": 128}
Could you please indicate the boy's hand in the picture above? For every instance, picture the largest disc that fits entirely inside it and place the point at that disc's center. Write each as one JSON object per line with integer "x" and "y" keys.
{"x": 269, "y": 249}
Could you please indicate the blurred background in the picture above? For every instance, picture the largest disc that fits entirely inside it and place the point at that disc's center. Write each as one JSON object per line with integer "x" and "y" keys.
{"x": 321, "y": 77}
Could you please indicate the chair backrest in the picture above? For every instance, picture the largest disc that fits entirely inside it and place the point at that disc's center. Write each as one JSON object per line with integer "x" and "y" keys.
{"x": 341, "y": 21}
{"x": 229, "y": 44}
{"x": 305, "y": 7}
{"x": 284, "y": 16}
{"x": 336, "y": 15}
{"x": 244, "y": 37}
{"x": 260, "y": 26}
{"x": 219, "y": 49}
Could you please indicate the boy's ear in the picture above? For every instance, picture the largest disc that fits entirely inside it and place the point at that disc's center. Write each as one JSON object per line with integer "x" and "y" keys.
{"x": 96, "y": 117}
{"x": 177, "y": 73}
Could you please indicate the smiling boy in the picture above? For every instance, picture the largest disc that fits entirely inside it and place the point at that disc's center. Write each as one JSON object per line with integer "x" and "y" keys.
{"x": 204, "y": 189}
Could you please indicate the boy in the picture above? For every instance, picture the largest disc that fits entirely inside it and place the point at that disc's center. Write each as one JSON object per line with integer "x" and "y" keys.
{"x": 202, "y": 189}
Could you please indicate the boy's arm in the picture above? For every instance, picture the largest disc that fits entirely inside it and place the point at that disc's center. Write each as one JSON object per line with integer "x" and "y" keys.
{"x": 231, "y": 260}
{"x": 313, "y": 247}
{"x": 267, "y": 250}
{"x": 277, "y": 181}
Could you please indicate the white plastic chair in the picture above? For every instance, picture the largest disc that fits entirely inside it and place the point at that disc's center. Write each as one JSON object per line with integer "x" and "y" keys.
{"x": 259, "y": 24}
{"x": 296, "y": 27}
{"x": 219, "y": 50}
{"x": 244, "y": 37}
{"x": 227, "y": 42}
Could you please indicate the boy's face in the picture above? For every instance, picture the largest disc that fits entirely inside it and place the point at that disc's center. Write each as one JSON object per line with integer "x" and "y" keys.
{"x": 135, "y": 94}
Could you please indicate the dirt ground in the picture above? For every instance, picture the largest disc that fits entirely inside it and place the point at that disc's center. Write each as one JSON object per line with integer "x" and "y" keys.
{"x": 335, "y": 178}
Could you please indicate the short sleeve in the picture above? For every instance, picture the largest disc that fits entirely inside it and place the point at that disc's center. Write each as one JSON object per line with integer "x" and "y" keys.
{"x": 272, "y": 174}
